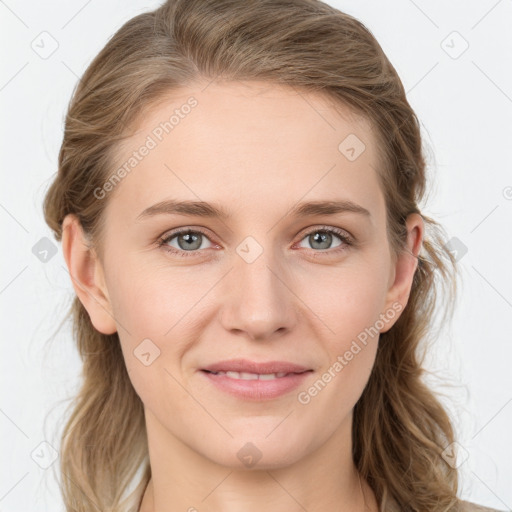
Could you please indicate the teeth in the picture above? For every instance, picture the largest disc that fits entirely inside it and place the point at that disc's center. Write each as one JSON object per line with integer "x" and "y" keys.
{"x": 252, "y": 376}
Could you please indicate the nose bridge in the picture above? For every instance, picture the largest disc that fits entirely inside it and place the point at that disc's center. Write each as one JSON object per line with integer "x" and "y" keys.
{"x": 258, "y": 300}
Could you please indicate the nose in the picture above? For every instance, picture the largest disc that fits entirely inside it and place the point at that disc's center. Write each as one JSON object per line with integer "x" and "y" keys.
{"x": 259, "y": 302}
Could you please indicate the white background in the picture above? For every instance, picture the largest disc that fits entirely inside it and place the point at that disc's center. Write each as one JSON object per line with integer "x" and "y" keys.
{"x": 465, "y": 107}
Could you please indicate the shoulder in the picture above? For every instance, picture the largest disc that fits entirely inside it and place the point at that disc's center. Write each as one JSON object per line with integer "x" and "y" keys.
{"x": 467, "y": 506}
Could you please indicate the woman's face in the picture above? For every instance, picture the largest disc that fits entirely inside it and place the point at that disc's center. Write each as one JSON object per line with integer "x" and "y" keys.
{"x": 272, "y": 280}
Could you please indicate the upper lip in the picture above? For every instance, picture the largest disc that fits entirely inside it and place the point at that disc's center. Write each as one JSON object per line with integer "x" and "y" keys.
{"x": 244, "y": 365}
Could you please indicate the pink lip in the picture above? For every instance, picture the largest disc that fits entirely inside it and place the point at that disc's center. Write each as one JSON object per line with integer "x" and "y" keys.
{"x": 244, "y": 365}
{"x": 257, "y": 390}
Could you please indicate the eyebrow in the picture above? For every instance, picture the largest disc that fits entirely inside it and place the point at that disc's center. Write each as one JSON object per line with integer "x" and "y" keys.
{"x": 204, "y": 209}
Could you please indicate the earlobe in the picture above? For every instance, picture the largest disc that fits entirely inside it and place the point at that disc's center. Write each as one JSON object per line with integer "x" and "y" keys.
{"x": 405, "y": 265}
{"x": 87, "y": 275}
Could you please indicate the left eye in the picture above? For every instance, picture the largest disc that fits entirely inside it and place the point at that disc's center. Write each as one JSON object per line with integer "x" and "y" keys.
{"x": 190, "y": 241}
{"x": 323, "y": 238}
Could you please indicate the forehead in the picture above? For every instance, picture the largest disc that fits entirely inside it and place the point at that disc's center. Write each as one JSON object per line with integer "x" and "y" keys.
{"x": 250, "y": 143}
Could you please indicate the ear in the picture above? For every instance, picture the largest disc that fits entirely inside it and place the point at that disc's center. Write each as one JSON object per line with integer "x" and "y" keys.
{"x": 404, "y": 267}
{"x": 87, "y": 275}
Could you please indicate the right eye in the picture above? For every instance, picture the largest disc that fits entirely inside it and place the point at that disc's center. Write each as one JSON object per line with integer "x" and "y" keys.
{"x": 187, "y": 240}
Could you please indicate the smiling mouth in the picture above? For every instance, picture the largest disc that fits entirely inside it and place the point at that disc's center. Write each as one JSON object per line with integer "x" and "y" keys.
{"x": 256, "y": 386}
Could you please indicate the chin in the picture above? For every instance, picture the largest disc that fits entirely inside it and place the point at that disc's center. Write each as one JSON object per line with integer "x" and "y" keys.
{"x": 255, "y": 452}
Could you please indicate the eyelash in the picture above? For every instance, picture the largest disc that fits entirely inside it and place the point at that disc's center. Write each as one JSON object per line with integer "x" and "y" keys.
{"x": 346, "y": 241}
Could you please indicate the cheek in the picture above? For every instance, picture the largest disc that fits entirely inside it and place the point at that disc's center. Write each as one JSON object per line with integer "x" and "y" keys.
{"x": 350, "y": 307}
{"x": 349, "y": 299}
{"x": 156, "y": 310}
{"x": 150, "y": 301}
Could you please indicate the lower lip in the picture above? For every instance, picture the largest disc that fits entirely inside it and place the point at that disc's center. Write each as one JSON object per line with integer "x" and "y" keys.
{"x": 257, "y": 389}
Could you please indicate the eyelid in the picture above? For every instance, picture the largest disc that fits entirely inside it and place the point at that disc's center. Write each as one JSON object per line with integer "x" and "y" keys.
{"x": 340, "y": 232}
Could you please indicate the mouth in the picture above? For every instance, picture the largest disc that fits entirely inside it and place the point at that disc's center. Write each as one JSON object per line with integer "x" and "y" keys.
{"x": 255, "y": 387}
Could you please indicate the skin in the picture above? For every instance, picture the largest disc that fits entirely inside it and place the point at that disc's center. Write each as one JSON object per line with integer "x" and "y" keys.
{"x": 239, "y": 148}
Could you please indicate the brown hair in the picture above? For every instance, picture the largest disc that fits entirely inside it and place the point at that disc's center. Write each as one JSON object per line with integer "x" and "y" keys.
{"x": 400, "y": 428}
